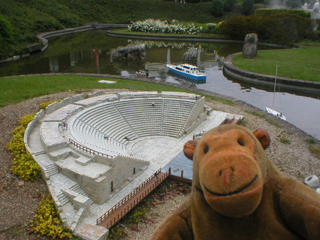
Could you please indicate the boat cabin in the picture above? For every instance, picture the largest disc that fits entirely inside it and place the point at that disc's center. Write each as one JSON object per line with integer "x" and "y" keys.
{"x": 188, "y": 68}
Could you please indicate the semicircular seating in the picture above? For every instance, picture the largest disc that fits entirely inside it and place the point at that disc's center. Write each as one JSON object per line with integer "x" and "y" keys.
{"x": 109, "y": 127}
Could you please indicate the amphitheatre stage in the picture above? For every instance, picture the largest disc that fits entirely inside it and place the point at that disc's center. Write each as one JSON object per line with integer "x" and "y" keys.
{"x": 96, "y": 151}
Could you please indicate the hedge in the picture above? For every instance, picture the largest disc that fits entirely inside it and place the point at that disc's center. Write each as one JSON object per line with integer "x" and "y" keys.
{"x": 268, "y": 11}
{"x": 281, "y": 28}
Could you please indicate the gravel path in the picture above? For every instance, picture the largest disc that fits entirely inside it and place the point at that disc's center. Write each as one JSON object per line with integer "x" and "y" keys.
{"x": 19, "y": 199}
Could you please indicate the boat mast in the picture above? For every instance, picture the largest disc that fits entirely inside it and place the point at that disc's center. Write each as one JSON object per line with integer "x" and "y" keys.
{"x": 275, "y": 84}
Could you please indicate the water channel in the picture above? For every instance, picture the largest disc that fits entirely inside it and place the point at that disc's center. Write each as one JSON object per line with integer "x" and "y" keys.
{"x": 91, "y": 52}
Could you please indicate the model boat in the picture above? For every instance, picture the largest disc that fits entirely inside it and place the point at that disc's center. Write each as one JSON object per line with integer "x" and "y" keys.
{"x": 188, "y": 71}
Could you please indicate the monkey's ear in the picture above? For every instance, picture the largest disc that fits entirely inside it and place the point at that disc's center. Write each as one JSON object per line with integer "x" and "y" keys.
{"x": 189, "y": 147}
{"x": 263, "y": 137}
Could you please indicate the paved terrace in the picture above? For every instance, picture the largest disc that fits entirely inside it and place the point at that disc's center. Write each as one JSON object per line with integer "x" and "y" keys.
{"x": 95, "y": 150}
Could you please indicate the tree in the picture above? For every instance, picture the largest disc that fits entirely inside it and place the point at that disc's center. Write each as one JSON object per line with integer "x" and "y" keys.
{"x": 6, "y": 35}
{"x": 217, "y": 8}
{"x": 228, "y": 5}
{"x": 247, "y": 7}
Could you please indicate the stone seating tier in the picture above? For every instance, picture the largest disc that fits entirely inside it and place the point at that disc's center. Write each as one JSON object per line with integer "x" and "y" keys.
{"x": 111, "y": 125}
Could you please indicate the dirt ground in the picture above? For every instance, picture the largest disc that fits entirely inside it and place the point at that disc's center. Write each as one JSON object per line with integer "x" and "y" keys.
{"x": 19, "y": 199}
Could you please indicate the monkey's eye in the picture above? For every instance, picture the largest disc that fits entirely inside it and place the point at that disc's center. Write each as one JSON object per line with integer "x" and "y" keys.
{"x": 206, "y": 149}
{"x": 240, "y": 142}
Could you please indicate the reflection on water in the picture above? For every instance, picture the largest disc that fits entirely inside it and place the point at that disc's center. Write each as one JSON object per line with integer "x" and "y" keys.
{"x": 91, "y": 52}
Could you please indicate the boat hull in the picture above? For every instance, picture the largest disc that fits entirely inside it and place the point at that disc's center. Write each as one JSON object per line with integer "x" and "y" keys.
{"x": 198, "y": 77}
{"x": 275, "y": 113}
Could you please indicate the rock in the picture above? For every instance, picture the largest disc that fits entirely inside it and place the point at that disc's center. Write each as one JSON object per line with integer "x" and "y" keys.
{"x": 20, "y": 183}
{"x": 192, "y": 54}
{"x": 136, "y": 52}
{"x": 250, "y": 45}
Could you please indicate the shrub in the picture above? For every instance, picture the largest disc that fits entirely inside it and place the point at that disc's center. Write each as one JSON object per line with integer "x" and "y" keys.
{"x": 24, "y": 165}
{"x": 281, "y": 28}
{"x": 270, "y": 11}
{"x": 43, "y": 105}
{"x": 217, "y": 8}
{"x": 46, "y": 222}
{"x": 212, "y": 27}
{"x": 24, "y": 121}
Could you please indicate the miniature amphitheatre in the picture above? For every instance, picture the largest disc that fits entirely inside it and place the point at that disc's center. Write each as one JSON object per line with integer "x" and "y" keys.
{"x": 97, "y": 151}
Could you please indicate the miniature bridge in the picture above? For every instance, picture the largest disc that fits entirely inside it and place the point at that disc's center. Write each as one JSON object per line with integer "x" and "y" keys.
{"x": 118, "y": 211}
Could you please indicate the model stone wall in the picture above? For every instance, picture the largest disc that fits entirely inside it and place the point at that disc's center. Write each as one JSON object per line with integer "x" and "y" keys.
{"x": 122, "y": 170}
{"x": 198, "y": 115}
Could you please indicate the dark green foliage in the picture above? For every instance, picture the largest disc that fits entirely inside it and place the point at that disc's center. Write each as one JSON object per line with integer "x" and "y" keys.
{"x": 217, "y": 8}
{"x": 27, "y": 18}
{"x": 6, "y": 35}
{"x": 247, "y": 7}
{"x": 228, "y": 5}
{"x": 270, "y": 11}
{"x": 294, "y": 3}
{"x": 281, "y": 28}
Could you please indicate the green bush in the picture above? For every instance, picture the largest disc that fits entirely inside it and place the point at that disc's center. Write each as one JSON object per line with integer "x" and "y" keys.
{"x": 212, "y": 27}
{"x": 217, "y": 8}
{"x": 24, "y": 165}
{"x": 270, "y": 11}
{"x": 46, "y": 222}
{"x": 43, "y": 105}
{"x": 281, "y": 28}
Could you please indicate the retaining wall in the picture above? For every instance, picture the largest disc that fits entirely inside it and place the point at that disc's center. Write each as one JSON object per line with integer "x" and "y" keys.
{"x": 237, "y": 73}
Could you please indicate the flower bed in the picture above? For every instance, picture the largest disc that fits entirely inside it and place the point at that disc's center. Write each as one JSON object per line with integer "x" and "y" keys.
{"x": 157, "y": 26}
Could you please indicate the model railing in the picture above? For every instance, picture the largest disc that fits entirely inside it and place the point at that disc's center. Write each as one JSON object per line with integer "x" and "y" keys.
{"x": 155, "y": 180}
{"x": 88, "y": 150}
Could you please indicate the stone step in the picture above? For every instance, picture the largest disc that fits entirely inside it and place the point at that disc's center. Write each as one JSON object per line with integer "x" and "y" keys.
{"x": 77, "y": 189}
{"x": 62, "y": 199}
{"x": 51, "y": 170}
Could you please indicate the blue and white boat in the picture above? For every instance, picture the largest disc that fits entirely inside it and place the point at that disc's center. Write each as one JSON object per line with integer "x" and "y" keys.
{"x": 188, "y": 71}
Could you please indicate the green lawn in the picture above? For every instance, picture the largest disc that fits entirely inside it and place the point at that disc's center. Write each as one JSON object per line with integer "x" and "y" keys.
{"x": 17, "y": 89}
{"x": 302, "y": 63}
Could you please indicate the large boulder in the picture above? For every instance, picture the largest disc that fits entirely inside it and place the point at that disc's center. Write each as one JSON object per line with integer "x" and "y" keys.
{"x": 136, "y": 52}
{"x": 250, "y": 45}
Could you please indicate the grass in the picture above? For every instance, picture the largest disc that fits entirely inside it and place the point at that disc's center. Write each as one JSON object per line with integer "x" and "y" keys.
{"x": 285, "y": 140}
{"x": 315, "y": 150}
{"x": 274, "y": 123}
{"x": 17, "y": 89}
{"x": 308, "y": 42}
{"x": 302, "y": 63}
{"x": 262, "y": 115}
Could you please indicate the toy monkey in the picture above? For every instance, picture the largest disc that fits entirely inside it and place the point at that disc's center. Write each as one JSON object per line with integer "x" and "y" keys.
{"x": 238, "y": 193}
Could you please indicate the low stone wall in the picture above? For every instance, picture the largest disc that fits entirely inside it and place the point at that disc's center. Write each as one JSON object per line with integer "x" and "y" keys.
{"x": 237, "y": 73}
{"x": 31, "y": 126}
{"x": 44, "y": 36}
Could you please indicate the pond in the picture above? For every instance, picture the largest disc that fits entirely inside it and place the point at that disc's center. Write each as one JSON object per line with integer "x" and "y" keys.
{"x": 91, "y": 52}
